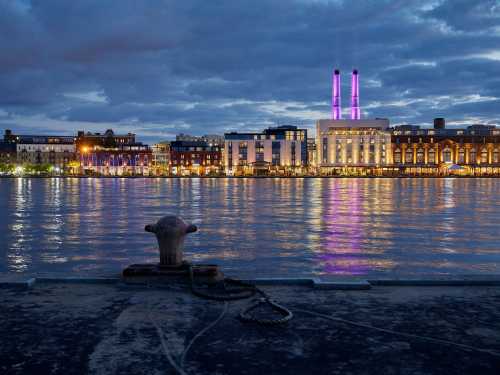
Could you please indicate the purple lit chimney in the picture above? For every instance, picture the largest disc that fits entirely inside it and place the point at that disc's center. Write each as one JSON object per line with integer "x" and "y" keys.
{"x": 355, "y": 111}
{"x": 336, "y": 111}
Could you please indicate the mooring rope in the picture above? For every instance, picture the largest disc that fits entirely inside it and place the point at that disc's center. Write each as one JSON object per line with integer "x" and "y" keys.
{"x": 243, "y": 290}
{"x": 246, "y": 290}
{"x": 166, "y": 350}
{"x": 202, "y": 332}
{"x": 402, "y": 334}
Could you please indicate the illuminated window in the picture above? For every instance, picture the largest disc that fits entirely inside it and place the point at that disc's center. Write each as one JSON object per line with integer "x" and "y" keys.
{"x": 461, "y": 156}
{"x": 397, "y": 156}
{"x": 432, "y": 156}
{"x": 484, "y": 156}
{"x": 361, "y": 151}
{"x": 447, "y": 155}
{"x": 325, "y": 150}
{"x": 409, "y": 156}
{"x": 420, "y": 156}
{"x": 473, "y": 157}
{"x": 349, "y": 151}
{"x": 338, "y": 152}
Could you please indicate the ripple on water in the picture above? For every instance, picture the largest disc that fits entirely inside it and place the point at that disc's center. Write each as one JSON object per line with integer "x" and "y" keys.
{"x": 255, "y": 227}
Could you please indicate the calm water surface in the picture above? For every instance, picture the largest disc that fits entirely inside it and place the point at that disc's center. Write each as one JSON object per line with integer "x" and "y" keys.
{"x": 255, "y": 227}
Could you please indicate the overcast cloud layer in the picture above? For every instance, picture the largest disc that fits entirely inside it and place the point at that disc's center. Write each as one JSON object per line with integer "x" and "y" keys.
{"x": 161, "y": 67}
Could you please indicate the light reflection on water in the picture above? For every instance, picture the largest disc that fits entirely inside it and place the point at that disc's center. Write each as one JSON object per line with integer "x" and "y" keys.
{"x": 255, "y": 227}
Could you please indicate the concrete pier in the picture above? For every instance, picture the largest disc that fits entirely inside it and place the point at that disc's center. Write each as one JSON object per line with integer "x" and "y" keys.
{"x": 80, "y": 327}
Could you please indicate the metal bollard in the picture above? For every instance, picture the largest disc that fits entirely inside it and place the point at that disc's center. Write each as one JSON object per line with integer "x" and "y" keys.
{"x": 170, "y": 232}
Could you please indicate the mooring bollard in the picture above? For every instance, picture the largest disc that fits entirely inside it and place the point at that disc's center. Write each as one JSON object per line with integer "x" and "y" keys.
{"x": 170, "y": 232}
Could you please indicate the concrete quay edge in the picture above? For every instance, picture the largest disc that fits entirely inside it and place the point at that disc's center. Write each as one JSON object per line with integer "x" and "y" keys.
{"x": 436, "y": 282}
{"x": 79, "y": 280}
{"x": 315, "y": 283}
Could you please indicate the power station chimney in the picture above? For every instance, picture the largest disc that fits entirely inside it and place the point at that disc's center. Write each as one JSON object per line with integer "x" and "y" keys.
{"x": 355, "y": 111}
{"x": 336, "y": 110}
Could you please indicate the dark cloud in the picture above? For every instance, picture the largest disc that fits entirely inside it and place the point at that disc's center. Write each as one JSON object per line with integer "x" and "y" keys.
{"x": 468, "y": 15}
{"x": 159, "y": 67}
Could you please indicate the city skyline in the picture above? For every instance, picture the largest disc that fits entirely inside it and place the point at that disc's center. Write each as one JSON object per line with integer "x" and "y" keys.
{"x": 163, "y": 68}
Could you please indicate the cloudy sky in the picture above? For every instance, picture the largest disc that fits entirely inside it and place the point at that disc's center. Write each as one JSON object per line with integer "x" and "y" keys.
{"x": 160, "y": 67}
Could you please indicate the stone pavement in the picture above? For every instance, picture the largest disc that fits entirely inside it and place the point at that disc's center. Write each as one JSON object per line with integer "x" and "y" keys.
{"x": 118, "y": 329}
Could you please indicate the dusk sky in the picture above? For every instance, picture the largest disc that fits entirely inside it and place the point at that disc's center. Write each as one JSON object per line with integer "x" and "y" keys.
{"x": 160, "y": 67}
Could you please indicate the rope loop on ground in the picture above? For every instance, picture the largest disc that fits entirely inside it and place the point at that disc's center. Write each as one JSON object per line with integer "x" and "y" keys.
{"x": 234, "y": 289}
{"x": 287, "y": 315}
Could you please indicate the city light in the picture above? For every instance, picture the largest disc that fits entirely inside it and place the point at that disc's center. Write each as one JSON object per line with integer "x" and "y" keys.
{"x": 340, "y": 147}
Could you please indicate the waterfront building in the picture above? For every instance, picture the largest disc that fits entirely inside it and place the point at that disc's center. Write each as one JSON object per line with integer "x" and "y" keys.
{"x": 7, "y": 149}
{"x": 106, "y": 139}
{"x": 54, "y": 153}
{"x": 196, "y": 158}
{"x": 474, "y": 150}
{"x": 111, "y": 154}
{"x": 38, "y": 153}
{"x": 353, "y": 147}
{"x": 311, "y": 155}
{"x": 7, "y": 158}
{"x": 280, "y": 150}
{"x": 160, "y": 164}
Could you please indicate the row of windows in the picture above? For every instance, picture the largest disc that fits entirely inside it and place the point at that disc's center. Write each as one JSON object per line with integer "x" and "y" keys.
{"x": 355, "y": 132}
{"x": 447, "y": 156}
{"x": 190, "y": 149}
{"x": 46, "y": 149}
{"x": 343, "y": 152}
{"x": 196, "y": 156}
{"x": 432, "y": 132}
{"x": 191, "y": 162}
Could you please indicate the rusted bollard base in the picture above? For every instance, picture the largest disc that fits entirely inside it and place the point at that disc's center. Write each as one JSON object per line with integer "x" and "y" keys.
{"x": 146, "y": 273}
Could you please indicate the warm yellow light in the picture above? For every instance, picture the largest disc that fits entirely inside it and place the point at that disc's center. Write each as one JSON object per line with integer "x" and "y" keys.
{"x": 85, "y": 149}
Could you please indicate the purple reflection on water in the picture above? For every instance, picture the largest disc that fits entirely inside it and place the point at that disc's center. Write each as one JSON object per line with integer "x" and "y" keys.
{"x": 342, "y": 252}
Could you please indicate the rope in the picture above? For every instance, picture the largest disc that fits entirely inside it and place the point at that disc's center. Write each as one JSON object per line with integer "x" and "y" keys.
{"x": 202, "y": 332}
{"x": 165, "y": 349}
{"x": 242, "y": 291}
{"x": 246, "y": 317}
{"x": 402, "y": 334}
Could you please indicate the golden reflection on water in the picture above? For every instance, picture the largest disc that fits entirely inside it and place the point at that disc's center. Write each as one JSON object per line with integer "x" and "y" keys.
{"x": 256, "y": 227}
{"x": 19, "y": 254}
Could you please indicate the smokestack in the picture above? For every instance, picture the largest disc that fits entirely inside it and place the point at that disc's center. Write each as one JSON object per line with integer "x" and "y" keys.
{"x": 336, "y": 110}
{"x": 355, "y": 111}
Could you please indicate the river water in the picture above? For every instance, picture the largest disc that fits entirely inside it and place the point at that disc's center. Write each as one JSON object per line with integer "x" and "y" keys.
{"x": 263, "y": 227}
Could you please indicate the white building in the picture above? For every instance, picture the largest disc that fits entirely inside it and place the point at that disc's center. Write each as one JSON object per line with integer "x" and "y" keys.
{"x": 161, "y": 158}
{"x": 57, "y": 151}
{"x": 278, "y": 150}
{"x": 353, "y": 143}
